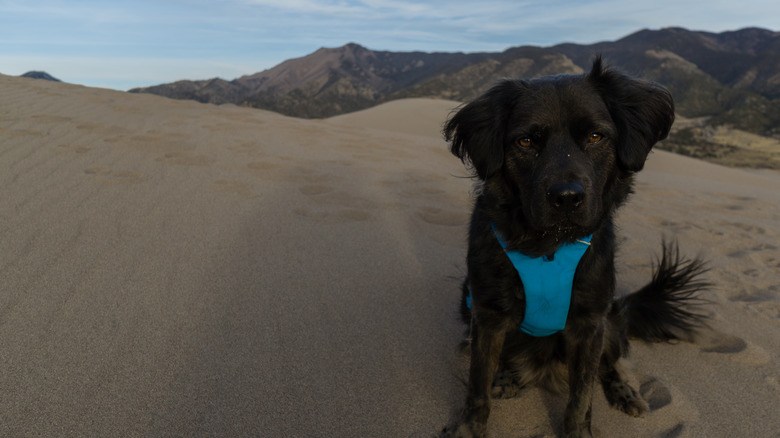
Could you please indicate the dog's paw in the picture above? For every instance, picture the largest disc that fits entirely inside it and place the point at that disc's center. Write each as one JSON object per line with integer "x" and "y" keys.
{"x": 624, "y": 398}
{"x": 505, "y": 385}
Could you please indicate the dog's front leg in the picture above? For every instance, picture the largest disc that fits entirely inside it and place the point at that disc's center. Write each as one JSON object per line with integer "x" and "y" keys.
{"x": 584, "y": 348}
{"x": 488, "y": 331}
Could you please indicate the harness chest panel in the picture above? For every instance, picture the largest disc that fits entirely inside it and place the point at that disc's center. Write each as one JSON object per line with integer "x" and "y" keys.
{"x": 548, "y": 282}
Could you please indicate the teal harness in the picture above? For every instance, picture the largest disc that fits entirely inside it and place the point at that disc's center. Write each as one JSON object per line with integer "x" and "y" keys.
{"x": 547, "y": 282}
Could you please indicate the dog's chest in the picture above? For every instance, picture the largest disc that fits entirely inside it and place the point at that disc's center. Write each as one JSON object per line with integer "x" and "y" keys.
{"x": 547, "y": 284}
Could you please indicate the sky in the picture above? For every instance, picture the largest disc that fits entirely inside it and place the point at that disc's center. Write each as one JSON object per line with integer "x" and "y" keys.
{"x": 122, "y": 44}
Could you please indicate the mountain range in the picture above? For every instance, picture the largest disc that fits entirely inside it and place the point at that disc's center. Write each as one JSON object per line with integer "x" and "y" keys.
{"x": 722, "y": 82}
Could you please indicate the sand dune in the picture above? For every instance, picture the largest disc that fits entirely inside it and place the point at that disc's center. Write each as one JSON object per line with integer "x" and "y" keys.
{"x": 177, "y": 269}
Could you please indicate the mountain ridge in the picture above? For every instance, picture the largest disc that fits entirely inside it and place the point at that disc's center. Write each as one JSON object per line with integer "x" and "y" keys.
{"x": 747, "y": 59}
{"x": 728, "y": 79}
{"x": 327, "y": 82}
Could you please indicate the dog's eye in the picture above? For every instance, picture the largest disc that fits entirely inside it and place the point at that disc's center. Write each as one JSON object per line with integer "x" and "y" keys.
{"x": 525, "y": 142}
{"x": 595, "y": 138}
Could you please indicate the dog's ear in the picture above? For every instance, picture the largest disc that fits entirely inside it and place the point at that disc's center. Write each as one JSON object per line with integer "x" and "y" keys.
{"x": 477, "y": 130}
{"x": 643, "y": 112}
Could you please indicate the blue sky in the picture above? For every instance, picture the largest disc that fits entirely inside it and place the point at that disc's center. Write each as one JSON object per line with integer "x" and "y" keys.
{"x": 122, "y": 44}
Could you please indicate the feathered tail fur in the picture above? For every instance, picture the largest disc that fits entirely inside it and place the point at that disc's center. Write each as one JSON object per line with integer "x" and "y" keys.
{"x": 669, "y": 307}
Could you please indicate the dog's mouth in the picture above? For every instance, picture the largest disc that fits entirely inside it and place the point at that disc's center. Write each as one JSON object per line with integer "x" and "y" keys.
{"x": 547, "y": 241}
{"x": 564, "y": 232}
{"x": 564, "y": 226}
{"x": 568, "y": 228}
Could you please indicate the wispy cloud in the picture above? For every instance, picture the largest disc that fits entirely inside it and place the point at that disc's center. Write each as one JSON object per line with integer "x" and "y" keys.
{"x": 349, "y": 9}
{"x": 262, "y": 33}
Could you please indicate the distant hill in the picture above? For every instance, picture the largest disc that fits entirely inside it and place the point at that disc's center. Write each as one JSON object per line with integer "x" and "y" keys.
{"x": 325, "y": 83}
{"x": 40, "y": 75}
{"x": 728, "y": 80}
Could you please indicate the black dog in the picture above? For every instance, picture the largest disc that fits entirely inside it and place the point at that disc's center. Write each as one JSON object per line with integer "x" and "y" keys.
{"x": 555, "y": 158}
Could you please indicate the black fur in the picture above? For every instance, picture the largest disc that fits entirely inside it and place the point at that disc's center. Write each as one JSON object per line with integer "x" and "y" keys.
{"x": 555, "y": 157}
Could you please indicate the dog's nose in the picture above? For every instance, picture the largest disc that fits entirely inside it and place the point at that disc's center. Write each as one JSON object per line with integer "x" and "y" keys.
{"x": 566, "y": 197}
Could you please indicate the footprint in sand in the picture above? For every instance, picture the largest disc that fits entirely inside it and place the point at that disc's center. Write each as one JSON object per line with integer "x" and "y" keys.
{"x": 656, "y": 394}
{"x": 674, "y": 225}
{"x": 762, "y": 300}
{"x": 737, "y": 349}
{"x": 770, "y": 309}
{"x": 746, "y": 252}
{"x": 751, "y": 230}
{"x": 663, "y": 399}
{"x": 757, "y": 296}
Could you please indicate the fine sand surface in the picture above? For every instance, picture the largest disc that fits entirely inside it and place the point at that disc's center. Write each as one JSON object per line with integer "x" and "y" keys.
{"x": 177, "y": 269}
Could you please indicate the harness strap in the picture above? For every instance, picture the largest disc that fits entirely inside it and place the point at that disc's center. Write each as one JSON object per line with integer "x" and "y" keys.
{"x": 547, "y": 282}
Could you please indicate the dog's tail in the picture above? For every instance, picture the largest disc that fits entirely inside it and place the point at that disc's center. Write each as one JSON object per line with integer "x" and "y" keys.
{"x": 669, "y": 307}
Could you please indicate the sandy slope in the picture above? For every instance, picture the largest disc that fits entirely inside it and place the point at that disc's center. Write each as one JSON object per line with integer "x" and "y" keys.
{"x": 178, "y": 269}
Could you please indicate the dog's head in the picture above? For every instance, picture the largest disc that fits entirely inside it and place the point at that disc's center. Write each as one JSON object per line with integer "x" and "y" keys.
{"x": 559, "y": 143}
